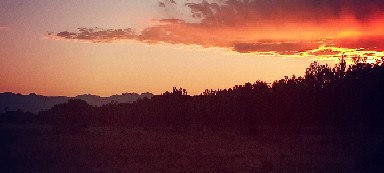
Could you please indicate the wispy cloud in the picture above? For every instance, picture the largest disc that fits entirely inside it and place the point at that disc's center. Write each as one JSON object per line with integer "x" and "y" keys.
{"x": 3, "y": 28}
{"x": 165, "y": 3}
{"x": 283, "y": 27}
{"x": 96, "y": 35}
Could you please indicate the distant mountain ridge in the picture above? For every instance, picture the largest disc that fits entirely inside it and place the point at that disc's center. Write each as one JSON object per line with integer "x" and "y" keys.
{"x": 34, "y": 103}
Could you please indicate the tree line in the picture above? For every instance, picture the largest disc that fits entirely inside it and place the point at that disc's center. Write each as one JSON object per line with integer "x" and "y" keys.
{"x": 341, "y": 98}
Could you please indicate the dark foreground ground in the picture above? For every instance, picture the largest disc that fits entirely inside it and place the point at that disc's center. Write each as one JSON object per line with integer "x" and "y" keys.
{"x": 32, "y": 148}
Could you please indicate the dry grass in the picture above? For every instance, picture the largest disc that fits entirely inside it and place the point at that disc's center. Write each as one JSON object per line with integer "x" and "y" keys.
{"x": 33, "y": 149}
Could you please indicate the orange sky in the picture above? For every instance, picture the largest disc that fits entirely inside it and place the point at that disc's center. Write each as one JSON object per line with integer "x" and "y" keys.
{"x": 105, "y": 48}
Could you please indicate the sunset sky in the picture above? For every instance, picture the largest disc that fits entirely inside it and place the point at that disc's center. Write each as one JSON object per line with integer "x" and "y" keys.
{"x": 110, "y": 47}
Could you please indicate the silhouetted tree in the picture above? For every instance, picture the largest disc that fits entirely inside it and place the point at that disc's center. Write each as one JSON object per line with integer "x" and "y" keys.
{"x": 73, "y": 116}
{"x": 346, "y": 99}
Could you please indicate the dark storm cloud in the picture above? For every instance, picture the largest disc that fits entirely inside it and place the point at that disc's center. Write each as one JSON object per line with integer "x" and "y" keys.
{"x": 283, "y": 10}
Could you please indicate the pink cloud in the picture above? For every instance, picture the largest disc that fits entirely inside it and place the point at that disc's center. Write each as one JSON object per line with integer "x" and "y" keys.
{"x": 3, "y": 28}
{"x": 285, "y": 27}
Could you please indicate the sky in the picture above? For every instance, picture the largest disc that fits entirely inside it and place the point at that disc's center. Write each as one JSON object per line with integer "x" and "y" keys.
{"x": 110, "y": 47}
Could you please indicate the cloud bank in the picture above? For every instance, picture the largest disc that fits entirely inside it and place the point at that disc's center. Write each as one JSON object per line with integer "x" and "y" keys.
{"x": 246, "y": 26}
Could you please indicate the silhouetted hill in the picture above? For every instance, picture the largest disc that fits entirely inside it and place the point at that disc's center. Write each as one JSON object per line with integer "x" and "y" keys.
{"x": 124, "y": 98}
{"x": 35, "y": 103}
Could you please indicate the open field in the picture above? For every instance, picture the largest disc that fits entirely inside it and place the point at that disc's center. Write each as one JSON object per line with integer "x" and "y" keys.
{"x": 31, "y": 148}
